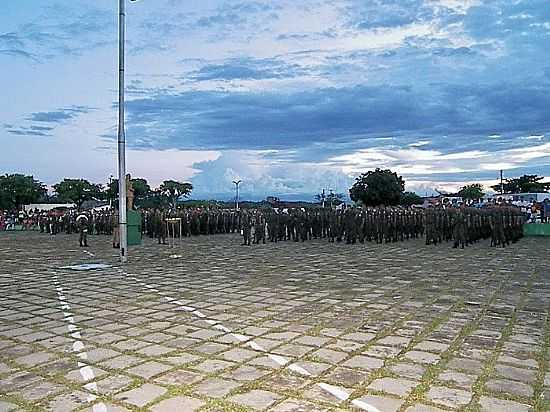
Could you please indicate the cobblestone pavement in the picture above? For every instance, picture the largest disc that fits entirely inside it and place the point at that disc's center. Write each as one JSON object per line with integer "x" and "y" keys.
{"x": 215, "y": 326}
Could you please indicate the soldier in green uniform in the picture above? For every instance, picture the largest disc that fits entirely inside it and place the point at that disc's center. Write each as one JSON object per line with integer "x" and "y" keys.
{"x": 459, "y": 228}
{"x": 82, "y": 222}
{"x": 246, "y": 225}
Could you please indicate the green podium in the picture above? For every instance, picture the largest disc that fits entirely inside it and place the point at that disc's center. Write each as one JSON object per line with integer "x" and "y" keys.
{"x": 134, "y": 228}
{"x": 536, "y": 229}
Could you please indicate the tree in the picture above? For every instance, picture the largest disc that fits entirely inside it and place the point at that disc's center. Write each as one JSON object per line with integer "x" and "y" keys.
{"x": 523, "y": 184}
{"x": 141, "y": 187}
{"x": 174, "y": 190}
{"x": 409, "y": 199}
{"x": 378, "y": 187}
{"x": 142, "y": 190}
{"x": 17, "y": 190}
{"x": 471, "y": 192}
{"x": 77, "y": 191}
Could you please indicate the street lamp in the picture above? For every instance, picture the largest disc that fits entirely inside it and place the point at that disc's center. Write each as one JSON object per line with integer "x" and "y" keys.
{"x": 122, "y": 215}
{"x": 237, "y": 183}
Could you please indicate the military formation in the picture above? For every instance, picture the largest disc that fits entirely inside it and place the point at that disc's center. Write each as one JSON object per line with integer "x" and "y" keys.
{"x": 467, "y": 225}
{"x": 349, "y": 225}
{"x": 461, "y": 226}
{"x": 55, "y": 221}
{"x": 189, "y": 222}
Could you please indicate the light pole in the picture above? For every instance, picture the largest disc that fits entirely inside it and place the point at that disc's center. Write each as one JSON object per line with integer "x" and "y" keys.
{"x": 237, "y": 183}
{"x": 122, "y": 216}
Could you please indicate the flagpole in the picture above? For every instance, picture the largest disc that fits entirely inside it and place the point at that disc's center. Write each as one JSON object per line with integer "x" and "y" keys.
{"x": 122, "y": 216}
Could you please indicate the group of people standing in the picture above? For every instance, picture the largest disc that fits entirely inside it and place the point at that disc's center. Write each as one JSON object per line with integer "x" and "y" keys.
{"x": 467, "y": 225}
{"x": 463, "y": 226}
{"x": 189, "y": 222}
{"x": 100, "y": 222}
{"x": 350, "y": 225}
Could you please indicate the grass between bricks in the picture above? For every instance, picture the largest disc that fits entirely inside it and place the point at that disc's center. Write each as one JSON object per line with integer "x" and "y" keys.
{"x": 541, "y": 404}
{"x": 478, "y": 387}
{"x": 432, "y": 371}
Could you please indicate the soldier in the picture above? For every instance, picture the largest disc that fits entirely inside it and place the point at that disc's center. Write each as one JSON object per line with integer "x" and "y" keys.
{"x": 459, "y": 228}
{"x": 273, "y": 226}
{"x": 82, "y": 223}
{"x": 160, "y": 227}
{"x": 259, "y": 228}
{"x": 349, "y": 226}
{"x": 246, "y": 228}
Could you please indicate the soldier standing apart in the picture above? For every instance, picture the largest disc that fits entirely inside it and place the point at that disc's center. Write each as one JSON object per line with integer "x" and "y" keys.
{"x": 82, "y": 224}
{"x": 246, "y": 228}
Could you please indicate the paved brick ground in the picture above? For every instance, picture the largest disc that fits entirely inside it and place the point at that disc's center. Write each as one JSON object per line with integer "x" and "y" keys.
{"x": 214, "y": 326}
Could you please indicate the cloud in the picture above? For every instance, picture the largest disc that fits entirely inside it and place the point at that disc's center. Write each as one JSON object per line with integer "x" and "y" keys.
{"x": 387, "y": 13}
{"x": 248, "y": 68}
{"x": 441, "y": 90}
{"x": 60, "y": 30}
{"x": 60, "y": 115}
{"x": 220, "y": 120}
{"x": 261, "y": 177}
{"x": 43, "y": 123}
{"x": 27, "y": 132}
{"x": 19, "y": 53}
{"x": 426, "y": 164}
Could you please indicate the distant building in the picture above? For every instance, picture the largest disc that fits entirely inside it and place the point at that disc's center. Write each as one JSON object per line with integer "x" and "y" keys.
{"x": 272, "y": 200}
{"x": 451, "y": 199}
{"x": 94, "y": 204}
{"x": 442, "y": 199}
{"x": 522, "y": 197}
{"x": 48, "y": 206}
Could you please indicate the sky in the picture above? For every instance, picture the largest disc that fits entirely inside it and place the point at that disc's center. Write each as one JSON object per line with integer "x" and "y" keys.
{"x": 288, "y": 96}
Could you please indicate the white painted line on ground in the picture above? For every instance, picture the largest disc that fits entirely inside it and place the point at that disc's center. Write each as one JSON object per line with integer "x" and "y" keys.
{"x": 244, "y": 338}
{"x": 298, "y": 369}
{"x": 338, "y": 392}
{"x": 365, "y": 406}
{"x": 222, "y": 328}
{"x": 89, "y": 253}
{"x": 335, "y": 391}
{"x": 278, "y": 359}
{"x": 85, "y": 370}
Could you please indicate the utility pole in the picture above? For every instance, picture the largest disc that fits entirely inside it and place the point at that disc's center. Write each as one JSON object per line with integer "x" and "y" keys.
{"x": 501, "y": 183}
{"x": 237, "y": 183}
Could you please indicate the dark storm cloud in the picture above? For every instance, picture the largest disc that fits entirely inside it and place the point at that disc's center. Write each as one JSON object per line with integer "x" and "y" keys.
{"x": 246, "y": 120}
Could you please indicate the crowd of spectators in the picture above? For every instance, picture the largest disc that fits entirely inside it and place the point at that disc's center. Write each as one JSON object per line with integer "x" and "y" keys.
{"x": 538, "y": 212}
{"x": 27, "y": 220}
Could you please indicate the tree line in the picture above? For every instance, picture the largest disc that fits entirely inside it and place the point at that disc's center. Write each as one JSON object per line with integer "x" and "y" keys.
{"x": 17, "y": 190}
{"x": 384, "y": 187}
{"x": 373, "y": 188}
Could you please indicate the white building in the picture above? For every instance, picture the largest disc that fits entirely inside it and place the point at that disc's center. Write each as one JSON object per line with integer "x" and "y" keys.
{"x": 522, "y": 197}
{"x": 48, "y": 206}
